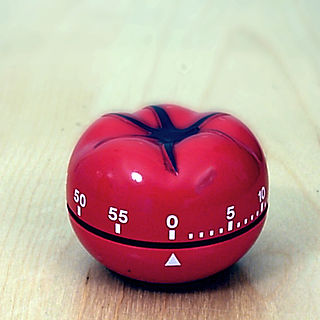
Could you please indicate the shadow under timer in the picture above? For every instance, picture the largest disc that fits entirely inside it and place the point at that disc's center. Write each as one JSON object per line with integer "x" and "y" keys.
{"x": 166, "y": 194}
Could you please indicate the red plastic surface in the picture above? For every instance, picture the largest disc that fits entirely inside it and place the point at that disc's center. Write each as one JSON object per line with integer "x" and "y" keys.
{"x": 157, "y": 202}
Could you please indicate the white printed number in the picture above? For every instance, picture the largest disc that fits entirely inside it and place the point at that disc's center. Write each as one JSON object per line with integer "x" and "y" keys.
{"x": 262, "y": 194}
{"x": 80, "y": 198}
{"x": 230, "y": 213}
{"x": 115, "y": 214}
{"x": 172, "y": 221}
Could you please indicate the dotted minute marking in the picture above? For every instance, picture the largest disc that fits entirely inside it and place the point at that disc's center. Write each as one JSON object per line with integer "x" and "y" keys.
{"x": 230, "y": 226}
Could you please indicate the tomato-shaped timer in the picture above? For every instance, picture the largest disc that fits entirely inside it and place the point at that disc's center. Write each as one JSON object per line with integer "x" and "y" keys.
{"x": 166, "y": 194}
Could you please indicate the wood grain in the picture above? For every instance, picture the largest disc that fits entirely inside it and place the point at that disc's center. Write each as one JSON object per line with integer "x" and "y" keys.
{"x": 64, "y": 63}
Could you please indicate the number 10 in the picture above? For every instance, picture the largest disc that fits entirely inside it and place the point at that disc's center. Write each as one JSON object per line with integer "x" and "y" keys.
{"x": 262, "y": 194}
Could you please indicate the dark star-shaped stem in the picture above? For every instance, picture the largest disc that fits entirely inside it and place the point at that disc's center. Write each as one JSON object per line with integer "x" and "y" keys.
{"x": 167, "y": 135}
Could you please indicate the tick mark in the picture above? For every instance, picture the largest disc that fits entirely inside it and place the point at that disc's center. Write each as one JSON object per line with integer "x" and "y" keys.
{"x": 172, "y": 234}
{"x": 261, "y": 206}
{"x": 117, "y": 228}
{"x": 230, "y": 225}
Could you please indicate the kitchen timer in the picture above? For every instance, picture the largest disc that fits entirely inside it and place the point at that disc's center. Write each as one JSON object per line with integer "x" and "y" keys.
{"x": 166, "y": 194}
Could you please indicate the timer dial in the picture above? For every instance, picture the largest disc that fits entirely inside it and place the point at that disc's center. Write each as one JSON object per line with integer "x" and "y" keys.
{"x": 167, "y": 194}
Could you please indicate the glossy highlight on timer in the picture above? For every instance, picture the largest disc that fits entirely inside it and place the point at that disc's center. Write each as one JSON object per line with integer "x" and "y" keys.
{"x": 167, "y": 194}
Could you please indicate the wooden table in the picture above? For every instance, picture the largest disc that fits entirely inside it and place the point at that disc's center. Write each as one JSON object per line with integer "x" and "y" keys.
{"x": 64, "y": 63}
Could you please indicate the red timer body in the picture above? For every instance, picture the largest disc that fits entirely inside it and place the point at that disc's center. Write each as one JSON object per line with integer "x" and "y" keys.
{"x": 166, "y": 194}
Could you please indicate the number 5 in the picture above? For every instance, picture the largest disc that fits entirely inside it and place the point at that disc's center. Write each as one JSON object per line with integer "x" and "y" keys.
{"x": 230, "y": 213}
{"x": 123, "y": 218}
{"x": 76, "y": 195}
{"x": 113, "y": 214}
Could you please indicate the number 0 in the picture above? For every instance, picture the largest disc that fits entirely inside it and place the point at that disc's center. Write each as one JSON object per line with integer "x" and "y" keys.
{"x": 82, "y": 200}
{"x": 172, "y": 221}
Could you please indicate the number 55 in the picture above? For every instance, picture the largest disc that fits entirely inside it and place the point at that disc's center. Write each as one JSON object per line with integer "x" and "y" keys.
{"x": 113, "y": 215}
